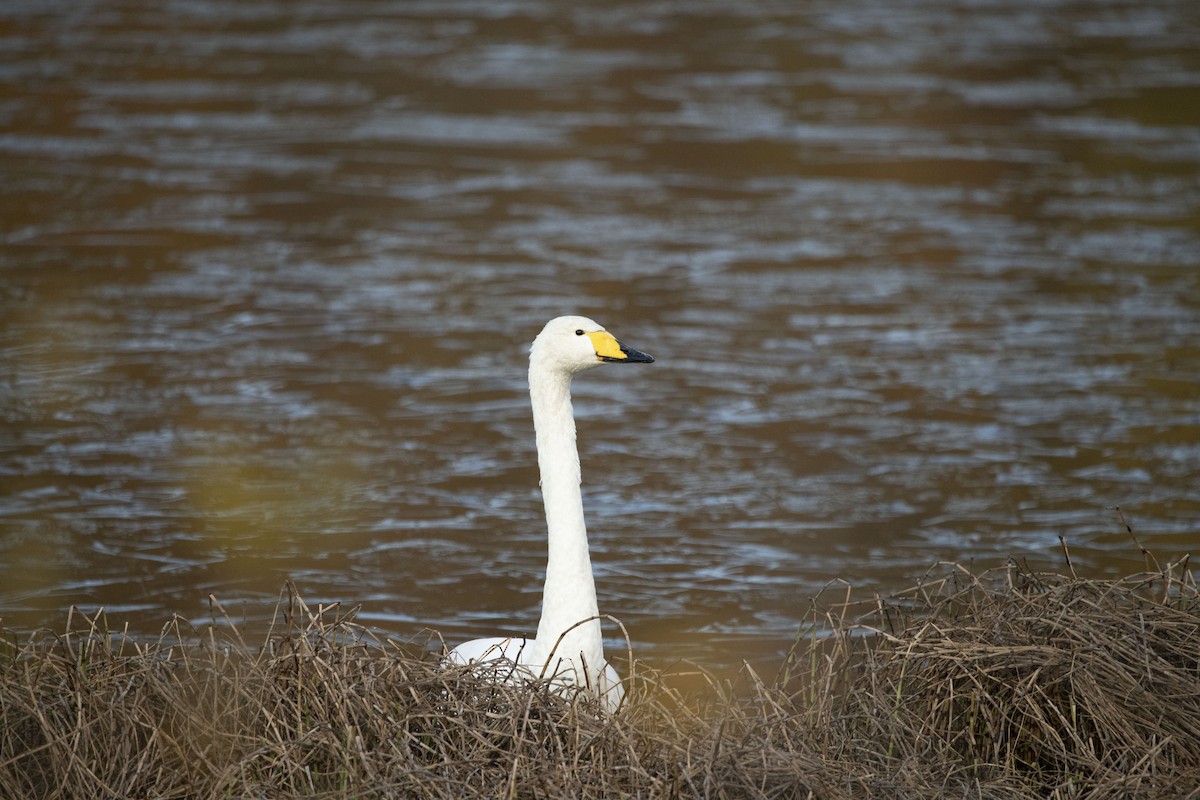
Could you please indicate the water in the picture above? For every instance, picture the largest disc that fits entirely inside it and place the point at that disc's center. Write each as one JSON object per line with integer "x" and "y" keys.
{"x": 921, "y": 283}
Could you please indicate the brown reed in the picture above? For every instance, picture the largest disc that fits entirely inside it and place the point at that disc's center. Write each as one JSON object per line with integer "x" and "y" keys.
{"x": 1000, "y": 684}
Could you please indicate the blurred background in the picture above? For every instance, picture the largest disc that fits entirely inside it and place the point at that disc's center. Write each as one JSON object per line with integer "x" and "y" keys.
{"x": 921, "y": 280}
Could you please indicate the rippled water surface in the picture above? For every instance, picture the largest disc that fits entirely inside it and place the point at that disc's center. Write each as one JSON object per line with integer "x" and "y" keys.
{"x": 921, "y": 279}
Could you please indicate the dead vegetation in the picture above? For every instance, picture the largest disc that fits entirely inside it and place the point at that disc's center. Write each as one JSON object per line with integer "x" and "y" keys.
{"x": 1003, "y": 684}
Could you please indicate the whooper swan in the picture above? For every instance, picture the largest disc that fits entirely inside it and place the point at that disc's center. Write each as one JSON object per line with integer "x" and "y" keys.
{"x": 567, "y": 649}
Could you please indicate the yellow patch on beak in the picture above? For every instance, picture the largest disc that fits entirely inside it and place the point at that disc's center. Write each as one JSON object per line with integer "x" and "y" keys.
{"x": 607, "y": 345}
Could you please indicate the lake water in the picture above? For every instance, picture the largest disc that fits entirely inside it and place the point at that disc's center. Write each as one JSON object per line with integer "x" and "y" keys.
{"x": 922, "y": 281}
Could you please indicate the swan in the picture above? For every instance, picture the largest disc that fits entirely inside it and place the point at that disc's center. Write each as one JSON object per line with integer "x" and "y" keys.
{"x": 567, "y": 648}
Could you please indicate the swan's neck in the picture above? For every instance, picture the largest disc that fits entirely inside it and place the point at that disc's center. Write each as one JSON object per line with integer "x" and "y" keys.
{"x": 570, "y": 592}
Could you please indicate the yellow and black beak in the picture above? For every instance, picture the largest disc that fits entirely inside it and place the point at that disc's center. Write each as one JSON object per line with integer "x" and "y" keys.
{"x": 610, "y": 350}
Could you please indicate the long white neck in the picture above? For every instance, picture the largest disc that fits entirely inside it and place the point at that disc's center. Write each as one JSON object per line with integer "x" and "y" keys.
{"x": 570, "y": 593}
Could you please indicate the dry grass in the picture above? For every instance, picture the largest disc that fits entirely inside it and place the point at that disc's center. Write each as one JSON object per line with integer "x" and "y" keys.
{"x": 1009, "y": 684}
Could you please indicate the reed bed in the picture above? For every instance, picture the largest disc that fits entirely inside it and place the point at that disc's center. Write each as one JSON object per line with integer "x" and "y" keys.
{"x": 1008, "y": 683}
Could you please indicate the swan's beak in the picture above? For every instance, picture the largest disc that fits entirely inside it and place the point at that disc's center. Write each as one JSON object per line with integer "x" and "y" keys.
{"x": 610, "y": 350}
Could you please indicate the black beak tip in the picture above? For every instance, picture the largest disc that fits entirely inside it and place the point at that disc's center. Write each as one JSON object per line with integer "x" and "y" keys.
{"x": 637, "y": 356}
{"x": 631, "y": 356}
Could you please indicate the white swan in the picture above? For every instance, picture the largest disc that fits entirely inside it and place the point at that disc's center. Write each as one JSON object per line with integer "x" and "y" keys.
{"x": 568, "y": 647}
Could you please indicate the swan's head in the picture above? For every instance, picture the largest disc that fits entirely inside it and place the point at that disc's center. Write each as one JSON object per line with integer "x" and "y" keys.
{"x": 574, "y": 344}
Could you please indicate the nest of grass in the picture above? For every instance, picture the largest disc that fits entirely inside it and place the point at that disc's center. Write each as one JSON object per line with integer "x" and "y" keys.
{"x": 1004, "y": 684}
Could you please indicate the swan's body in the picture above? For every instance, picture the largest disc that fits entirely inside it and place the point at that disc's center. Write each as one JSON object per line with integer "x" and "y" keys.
{"x": 567, "y": 648}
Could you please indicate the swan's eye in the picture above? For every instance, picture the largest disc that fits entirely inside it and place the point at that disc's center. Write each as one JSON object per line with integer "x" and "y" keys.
{"x": 579, "y": 332}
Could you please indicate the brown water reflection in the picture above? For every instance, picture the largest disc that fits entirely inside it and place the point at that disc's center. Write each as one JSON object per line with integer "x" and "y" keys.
{"x": 921, "y": 283}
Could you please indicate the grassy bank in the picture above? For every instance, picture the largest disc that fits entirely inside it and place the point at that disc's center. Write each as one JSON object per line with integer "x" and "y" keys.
{"x": 1005, "y": 684}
